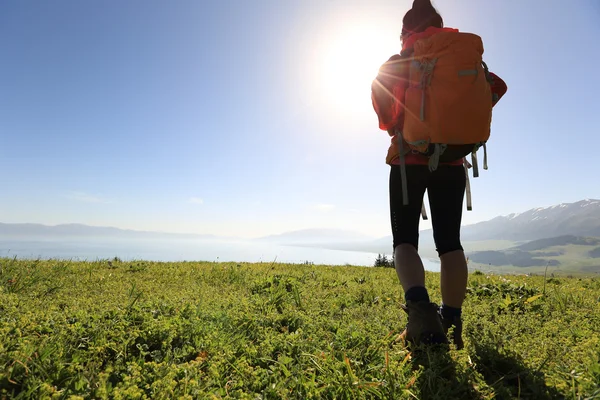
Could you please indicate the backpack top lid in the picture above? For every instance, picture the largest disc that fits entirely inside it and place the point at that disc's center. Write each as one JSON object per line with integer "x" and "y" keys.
{"x": 409, "y": 43}
{"x": 456, "y": 45}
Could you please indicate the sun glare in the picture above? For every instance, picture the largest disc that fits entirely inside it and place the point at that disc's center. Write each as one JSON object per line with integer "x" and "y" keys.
{"x": 347, "y": 64}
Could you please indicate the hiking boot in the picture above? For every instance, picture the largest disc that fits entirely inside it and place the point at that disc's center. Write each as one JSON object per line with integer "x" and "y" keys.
{"x": 455, "y": 323}
{"x": 424, "y": 324}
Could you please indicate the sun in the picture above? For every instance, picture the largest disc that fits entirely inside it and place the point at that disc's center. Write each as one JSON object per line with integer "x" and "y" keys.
{"x": 348, "y": 61}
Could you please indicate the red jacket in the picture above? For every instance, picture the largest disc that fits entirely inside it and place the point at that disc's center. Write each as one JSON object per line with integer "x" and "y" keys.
{"x": 392, "y": 81}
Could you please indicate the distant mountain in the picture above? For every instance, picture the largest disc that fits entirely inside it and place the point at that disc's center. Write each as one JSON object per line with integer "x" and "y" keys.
{"x": 578, "y": 219}
{"x": 531, "y": 238}
{"x": 80, "y": 230}
{"x": 550, "y": 251}
{"x": 307, "y": 236}
{"x": 316, "y": 236}
{"x": 541, "y": 244}
{"x": 575, "y": 219}
{"x": 515, "y": 258}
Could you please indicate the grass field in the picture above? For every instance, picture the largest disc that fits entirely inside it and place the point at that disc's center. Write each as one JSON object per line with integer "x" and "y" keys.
{"x": 143, "y": 330}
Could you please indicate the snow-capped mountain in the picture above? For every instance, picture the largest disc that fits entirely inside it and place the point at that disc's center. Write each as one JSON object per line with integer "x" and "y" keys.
{"x": 580, "y": 219}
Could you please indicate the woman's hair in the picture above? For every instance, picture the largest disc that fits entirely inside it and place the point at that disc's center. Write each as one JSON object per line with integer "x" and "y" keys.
{"x": 421, "y": 16}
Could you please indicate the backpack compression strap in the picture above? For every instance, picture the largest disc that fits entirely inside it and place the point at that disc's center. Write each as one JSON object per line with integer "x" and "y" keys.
{"x": 401, "y": 155}
{"x": 468, "y": 185}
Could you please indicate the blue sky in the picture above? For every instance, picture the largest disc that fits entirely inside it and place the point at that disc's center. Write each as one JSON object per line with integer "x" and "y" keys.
{"x": 249, "y": 118}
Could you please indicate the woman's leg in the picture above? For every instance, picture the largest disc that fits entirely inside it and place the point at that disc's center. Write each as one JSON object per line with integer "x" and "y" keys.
{"x": 405, "y": 227}
{"x": 409, "y": 268}
{"x": 424, "y": 324}
{"x": 446, "y": 193}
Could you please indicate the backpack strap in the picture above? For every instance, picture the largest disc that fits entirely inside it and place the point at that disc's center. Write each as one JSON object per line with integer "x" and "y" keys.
{"x": 488, "y": 76}
{"x": 485, "y": 158}
{"x": 402, "y": 168}
{"x": 439, "y": 149}
{"x": 426, "y": 75}
{"x": 468, "y": 186}
{"x": 434, "y": 159}
{"x": 475, "y": 164}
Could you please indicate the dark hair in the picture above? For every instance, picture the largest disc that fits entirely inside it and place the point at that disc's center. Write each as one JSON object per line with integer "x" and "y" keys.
{"x": 421, "y": 16}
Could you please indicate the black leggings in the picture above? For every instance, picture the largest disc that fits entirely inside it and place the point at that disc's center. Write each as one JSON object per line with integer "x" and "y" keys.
{"x": 445, "y": 188}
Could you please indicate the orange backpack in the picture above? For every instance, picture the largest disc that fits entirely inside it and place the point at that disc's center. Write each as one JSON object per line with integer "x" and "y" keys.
{"x": 448, "y": 102}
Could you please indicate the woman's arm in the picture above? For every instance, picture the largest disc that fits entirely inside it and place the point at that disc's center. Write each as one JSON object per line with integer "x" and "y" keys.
{"x": 387, "y": 92}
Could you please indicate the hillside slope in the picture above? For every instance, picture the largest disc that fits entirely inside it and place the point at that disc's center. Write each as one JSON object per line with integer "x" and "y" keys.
{"x": 579, "y": 219}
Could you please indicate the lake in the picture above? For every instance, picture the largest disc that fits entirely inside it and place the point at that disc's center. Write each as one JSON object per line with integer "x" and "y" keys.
{"x": 91, "y": 249}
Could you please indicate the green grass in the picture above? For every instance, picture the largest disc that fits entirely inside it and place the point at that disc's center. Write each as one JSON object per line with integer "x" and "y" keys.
{"x": 135, "y": 330}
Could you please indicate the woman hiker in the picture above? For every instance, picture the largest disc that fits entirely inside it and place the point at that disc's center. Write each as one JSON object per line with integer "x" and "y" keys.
{"x": 445, "y": 185}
